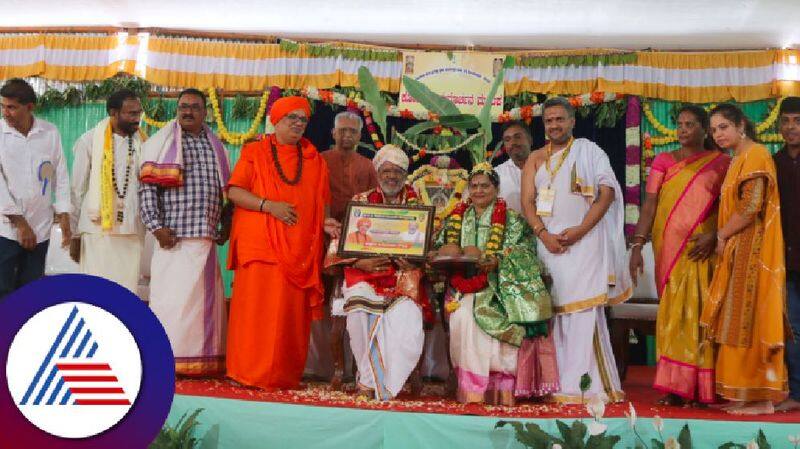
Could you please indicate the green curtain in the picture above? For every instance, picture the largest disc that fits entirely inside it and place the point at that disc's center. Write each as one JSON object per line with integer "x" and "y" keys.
{"x": 756, "y": 111}
{"x": 73, "y": 121}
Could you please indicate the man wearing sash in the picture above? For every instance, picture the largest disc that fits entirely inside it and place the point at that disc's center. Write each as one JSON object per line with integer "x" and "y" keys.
{"x": 573, "y": 202}
{"x": 182, "y": 180}
{"x": 105, "y": 183}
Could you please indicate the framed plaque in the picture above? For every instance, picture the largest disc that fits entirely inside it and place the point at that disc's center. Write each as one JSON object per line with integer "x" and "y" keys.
{"x": 374, "y": 230}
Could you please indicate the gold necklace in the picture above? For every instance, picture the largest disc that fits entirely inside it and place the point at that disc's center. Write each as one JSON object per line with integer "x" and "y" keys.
{"x": 561, "y": 159}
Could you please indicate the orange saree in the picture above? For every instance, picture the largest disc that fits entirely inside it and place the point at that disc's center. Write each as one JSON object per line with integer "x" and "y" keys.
{"x": 744, "y": 311}
{"x": 277, "y": 288}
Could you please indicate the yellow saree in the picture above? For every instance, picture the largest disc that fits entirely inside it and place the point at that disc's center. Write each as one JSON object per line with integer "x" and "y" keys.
{"x": 688, "y": 191}
{"x": 744, "y": 311}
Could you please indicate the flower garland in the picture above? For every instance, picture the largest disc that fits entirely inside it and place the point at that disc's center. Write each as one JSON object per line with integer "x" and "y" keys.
{"x": 527, "y": 113}
{"x": 372, "y": 129}
{"x": 633, "y": 162}
{"x": 493, "y": 244}
{"x": 518, "y": 113}
{"x": 410, "y": 196}
{"x": 233, "y": 137}
{"x": 427, "y": 174}
{"x": 422, "y": 151}
{"x": 671, "y": 135}
{"x": 153, "y": 123}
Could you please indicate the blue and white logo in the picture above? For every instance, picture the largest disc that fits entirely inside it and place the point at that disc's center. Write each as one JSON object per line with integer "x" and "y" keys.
{"x": 78, "y": 379}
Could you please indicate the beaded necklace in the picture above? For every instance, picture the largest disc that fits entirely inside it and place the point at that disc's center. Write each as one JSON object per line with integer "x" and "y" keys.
{"x": 299, "y": 174}
{"x": 122, "y": 195}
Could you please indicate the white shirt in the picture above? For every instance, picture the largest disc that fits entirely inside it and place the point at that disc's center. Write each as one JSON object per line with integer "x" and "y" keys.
{"x": 81, "y": 172}
{"x": 510, "y": 184}
{"x": 25, "y": 187}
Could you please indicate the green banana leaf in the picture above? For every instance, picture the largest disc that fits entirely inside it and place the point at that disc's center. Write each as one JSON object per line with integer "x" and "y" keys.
{"x": 419, "y": 128}
{"x": 460, "y": 121}
{"x": 430, "y": 100}
{"x": 373, "y": 96}
{"x": 485, "y": 114}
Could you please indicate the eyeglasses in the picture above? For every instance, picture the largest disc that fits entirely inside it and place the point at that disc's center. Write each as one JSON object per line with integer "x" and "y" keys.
{"x": 297, "y": 118}
{"x": 183, "y": 107}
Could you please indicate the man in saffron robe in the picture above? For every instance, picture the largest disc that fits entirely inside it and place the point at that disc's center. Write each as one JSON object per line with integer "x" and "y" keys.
{"x": 281, "y": 191}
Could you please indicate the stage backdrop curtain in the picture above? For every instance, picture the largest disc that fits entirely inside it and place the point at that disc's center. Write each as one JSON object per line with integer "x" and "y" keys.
{"x": 252, "y": 66}
{"x": 679, "y": 76}
{"x": 67, "y": 57}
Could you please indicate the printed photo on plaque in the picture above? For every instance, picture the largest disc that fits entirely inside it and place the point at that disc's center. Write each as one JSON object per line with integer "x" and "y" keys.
{"x": 371, "y": 230}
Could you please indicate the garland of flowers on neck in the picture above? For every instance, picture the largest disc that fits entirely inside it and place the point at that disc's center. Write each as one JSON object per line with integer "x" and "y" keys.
{"x": 377, "y": 196}
{"x": 493, "y": 245}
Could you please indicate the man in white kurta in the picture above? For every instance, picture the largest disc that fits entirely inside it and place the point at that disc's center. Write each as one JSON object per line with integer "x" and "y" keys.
{"x": 110, "y": 235}
{"x": 517, "y": 143}
{"x": 573, "y": 202}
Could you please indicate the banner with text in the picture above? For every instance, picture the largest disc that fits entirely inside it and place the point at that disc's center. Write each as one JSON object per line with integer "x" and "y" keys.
{"x": 463, "y": 77}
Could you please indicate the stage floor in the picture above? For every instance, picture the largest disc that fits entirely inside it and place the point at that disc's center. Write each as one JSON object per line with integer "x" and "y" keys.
{"x": 313, "y": 417}
{"x": 637, "y": 388}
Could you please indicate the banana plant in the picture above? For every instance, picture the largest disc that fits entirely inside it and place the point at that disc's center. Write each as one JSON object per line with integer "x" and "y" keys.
{"x": 446, "y": 112}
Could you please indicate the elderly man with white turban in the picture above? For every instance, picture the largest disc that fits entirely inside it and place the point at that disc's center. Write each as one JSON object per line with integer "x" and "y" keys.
{"x": 382, "y": 296}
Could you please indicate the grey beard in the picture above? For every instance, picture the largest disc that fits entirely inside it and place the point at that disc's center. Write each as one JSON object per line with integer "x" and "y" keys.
{"x": 389, "y": 191}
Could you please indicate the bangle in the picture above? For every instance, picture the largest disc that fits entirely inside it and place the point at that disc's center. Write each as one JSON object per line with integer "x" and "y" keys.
{"x": 261, "y": 206}
{"x": 643, "y": 237}
{"x": 639, "y": 244}
{"x": 536, "y": 232}
{"x": 721, "y": 239}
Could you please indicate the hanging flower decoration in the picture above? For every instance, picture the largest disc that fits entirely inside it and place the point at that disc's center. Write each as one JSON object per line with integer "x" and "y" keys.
{"x": 372, "y": 129}
{"x": 519, "y": 113}
{"x": 233, "y": 137}
{"x": 153, "y": 123}
{"x": 670, "y": 135}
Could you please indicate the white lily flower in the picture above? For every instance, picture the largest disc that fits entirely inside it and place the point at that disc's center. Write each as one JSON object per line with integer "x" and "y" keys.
{"x": 658, "y": 423}
{"x": 752, "y": 445}
{"x": 596, "y": 406}
{"x": 794, "y": 439}
{"x": 631, "y": 415}
{"x": 555, "y": 446}
{"x": 672, "y": 443}
{"x": 596, "y": 428}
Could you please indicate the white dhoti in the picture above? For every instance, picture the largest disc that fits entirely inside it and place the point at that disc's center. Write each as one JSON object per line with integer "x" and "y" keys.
{"x": 187, "y": 296}
{"x": 589, "y": 275}
{"x": 114, "y": 257}
{"x": 584, "y": 346}
{"x": 485, "y": 366}
{"x": 387, "y": 346}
